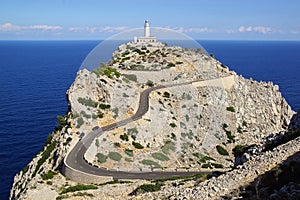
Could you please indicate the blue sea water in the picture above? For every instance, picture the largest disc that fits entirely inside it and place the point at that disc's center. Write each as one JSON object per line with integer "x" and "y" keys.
{"x": 34, "y": 77}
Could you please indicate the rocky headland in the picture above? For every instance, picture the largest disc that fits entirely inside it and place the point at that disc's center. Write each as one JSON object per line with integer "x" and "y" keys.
{"x": 205, "y": 119}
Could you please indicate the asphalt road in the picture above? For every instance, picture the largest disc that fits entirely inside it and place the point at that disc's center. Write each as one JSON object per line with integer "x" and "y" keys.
{"x": 75, "y": 159}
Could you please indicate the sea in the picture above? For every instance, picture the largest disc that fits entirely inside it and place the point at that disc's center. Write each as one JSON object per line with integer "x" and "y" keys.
{"x": 35, "y": 75}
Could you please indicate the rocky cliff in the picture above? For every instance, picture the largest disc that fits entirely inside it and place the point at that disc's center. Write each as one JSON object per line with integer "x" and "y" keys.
{"x": 197, "y": 121}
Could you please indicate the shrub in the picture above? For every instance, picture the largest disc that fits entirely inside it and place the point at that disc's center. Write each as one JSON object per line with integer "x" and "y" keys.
{"x": 216, "y": 165}
{"x": 166, "y": 95}
{"x": 129, "y": 152}
{"x": 124, "y": 137}
{"x": 160, "y": 156}
{"x": 79, "y": 122}
{"x": 225, "y": 126}
{"x": 150, "y": 163}
{"x": 169, "y": 146}
{"x": 148, "y": 188}
{"x": 173, "y": 125}
{"x": 49, "y": 175}
{"x": 104, "y": 106}
{"x": 61, "y": 122}
{"x": 131, "y": 77}
{"x": 230, "y": 108}
{"x": 45, "y": 156}
{"x": 137, "y": 145}
{"x": 222, "y": 151}
{"x": 87, "y": 102}
{"x": 101, "y": 157}
{"x": 150, "y": 83}
{"x": 230, "y": 137}
{"x": 78, "y": 188}
{"x": 114, "y": 156}
{"x": 128, "y": 160}
{"x": 206, "y": 158}
{"x": 171, "y": 65}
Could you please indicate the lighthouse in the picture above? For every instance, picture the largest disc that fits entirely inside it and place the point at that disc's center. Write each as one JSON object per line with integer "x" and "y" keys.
{"x": 147, "y": 38}
{"x": 146, "y": 29}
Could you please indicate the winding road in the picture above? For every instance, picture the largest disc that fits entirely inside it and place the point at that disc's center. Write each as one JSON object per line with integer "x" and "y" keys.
{"x": 75, "y": 158}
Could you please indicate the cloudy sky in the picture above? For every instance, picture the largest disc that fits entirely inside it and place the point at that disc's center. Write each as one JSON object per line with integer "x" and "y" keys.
{"x": 200, "y": 19}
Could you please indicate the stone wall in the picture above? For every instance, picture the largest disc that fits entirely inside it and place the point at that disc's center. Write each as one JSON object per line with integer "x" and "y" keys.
{"x": 82, "y": 177}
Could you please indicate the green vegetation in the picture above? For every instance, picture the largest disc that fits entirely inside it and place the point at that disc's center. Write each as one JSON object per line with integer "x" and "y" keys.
{"x": 109, "y": 72}
{"x": 114, "y": 156}
{"x": 239, "y": 150}
{"x": 68, "y": 140}
{"x": 216, "y": 165}
{"x": 150, "y": 163}
{"x": 85, "y": 115}
{"x": 97, "y": 143}
{"x": 87, "y": 102}
{"x": 115, "y": 112}
{"x": 146, "y": 188}
{"x": 160, "y": 156}
{"x": 78, "y": 194}
{"x": 230, "y": 137}
{"x": 61, "y": 122}
{"x": 202, "y": 177}
{"x": 173, "y": 136}
{"x": 229, "y": 134}
{"x": 244, "y": 123}
{"x": 128, "y": 160}
{"x": 101, "y": 157}
{"x": 49, "y": 175}
{"x": 79, "y": 122}
{"x": 104, "y": 106}
{"x": 137, "y": 145}
{"x": 222, "y": 151}
{"x": 198, "y": 155}
{"x": 116, "y": 181}
{"x": 150, "y": 83}
{"x": 44, "y": 157}
{"x": 49, "y": 139}
{"x": 129, "y": 152}
{"x": 173, "y": 125}
{"x": 206, "y": 158}
{"x": 169, "y": 146}
{"x": 230, "y": 108}
{"x": 124, "y": 137}
{"x": 225, "y": 126}
{"x": 171, "y": 65}
{"x": 132, "y": 131}
{"x": 117, "y": 144}
{"x": 131, "y": 77}
{"x": 138, "y": 51}
{"x": 100, "y": 114}
{"x": 166, "y": 94}
{"x": 25, "y": 169}
{"x": 78, "y": 187}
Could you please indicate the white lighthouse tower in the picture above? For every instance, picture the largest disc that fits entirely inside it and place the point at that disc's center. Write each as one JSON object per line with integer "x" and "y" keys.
{"x": 146, "y": 29}
{"x": 147, "y": 38}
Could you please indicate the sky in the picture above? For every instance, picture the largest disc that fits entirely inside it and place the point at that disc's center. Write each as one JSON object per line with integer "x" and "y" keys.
{"x": 199, "y": 19}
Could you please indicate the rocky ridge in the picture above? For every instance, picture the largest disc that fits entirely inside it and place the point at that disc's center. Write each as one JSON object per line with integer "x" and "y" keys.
{"x": 199, "y": 120}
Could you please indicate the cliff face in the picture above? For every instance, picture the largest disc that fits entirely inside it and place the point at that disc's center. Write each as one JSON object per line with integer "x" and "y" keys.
{"x": 186, "y": 124}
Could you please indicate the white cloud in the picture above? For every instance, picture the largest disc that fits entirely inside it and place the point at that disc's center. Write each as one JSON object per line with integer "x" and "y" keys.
{"x": 8, "y": 27}
{"x": 107, "y": 29}
{"x": 192, "y": 29}
{"x": 258, "y": 29}
{"x": 45, "y": 27}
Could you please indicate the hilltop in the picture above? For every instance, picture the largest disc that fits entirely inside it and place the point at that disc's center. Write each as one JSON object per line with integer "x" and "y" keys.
{"x": 205, "y": 118}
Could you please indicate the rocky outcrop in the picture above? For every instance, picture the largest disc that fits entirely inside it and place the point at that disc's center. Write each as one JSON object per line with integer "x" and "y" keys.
{"x": 188, "y": 126}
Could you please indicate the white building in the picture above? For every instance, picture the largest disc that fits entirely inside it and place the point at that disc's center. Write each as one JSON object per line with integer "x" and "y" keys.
{"x": 147, "y": 37}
